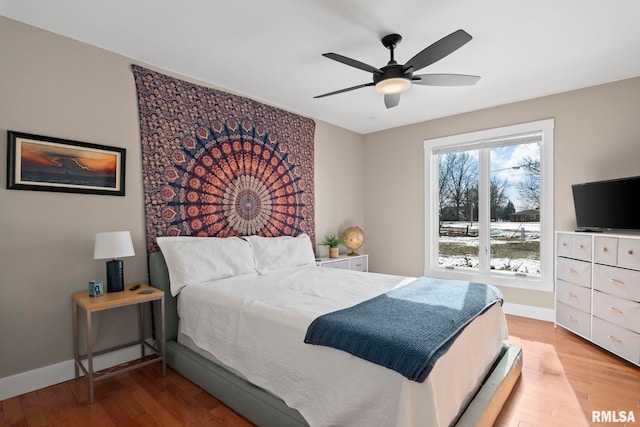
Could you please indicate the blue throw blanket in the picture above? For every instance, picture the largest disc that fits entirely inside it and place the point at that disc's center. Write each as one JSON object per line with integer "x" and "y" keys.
{"x": 406, "y": 329}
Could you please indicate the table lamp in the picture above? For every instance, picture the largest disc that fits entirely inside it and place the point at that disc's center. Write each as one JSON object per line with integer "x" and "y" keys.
{"x": 113, "y": 245}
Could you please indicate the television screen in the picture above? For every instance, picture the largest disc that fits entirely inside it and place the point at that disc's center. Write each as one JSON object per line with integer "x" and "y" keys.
{"x": 608, "y": 204}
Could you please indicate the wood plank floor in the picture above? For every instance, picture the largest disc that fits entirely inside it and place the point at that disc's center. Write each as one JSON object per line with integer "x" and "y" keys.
{"x": 564, "y": 378}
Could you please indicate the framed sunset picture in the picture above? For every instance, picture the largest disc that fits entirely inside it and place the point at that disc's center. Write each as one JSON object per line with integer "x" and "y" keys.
{"x": 44, "y": 163}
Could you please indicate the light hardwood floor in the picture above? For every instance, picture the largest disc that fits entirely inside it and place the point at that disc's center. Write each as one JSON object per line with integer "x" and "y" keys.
{"x": 564, "y": 378}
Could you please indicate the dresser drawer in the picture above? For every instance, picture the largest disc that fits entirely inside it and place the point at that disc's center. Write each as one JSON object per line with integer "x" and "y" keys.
{"x": 617, "y": 339}
{"x": 358, "y": 263}
{"x": 574, "y": 246}
{"x": 574, "y": 271}
{"x": 629, "y": 253}
{"x": 573, "y": 319}
{"x": 574, "y": 295}
{"x": 617, "y": 281}
{"x": 605, "y": 250}
{"x": 617, "y": 310}
{"x": 341, "y": 263}
{"x": 564, "y": 245}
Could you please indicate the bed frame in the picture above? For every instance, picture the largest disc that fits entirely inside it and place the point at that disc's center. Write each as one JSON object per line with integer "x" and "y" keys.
{"x": 266, "y": 410}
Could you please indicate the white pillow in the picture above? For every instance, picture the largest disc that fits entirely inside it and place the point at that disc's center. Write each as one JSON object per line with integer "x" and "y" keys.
{"x": 202, "y": 259}
{"x": 275, "y": 253}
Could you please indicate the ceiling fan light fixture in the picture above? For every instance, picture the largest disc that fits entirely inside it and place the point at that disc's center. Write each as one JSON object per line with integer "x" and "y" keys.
{"x": 393, "y": 79}
{"x": 393, "y": 85}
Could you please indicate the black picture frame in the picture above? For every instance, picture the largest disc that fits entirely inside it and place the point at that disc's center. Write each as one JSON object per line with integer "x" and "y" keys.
{"x": 43, "y": 163}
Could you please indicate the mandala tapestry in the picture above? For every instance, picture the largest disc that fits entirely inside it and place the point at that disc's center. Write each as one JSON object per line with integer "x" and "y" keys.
{"x": 217, "y": 164}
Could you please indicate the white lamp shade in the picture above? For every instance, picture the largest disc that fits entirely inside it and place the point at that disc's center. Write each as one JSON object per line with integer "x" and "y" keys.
{"x": 113, "y": 244}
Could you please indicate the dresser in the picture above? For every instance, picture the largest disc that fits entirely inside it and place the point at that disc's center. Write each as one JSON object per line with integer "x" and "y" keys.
{"x": 346, "y": 262}
{"x": 598, "y": 289}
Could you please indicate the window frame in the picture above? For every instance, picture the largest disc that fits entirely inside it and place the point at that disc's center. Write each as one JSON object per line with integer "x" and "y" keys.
{"x": 480, "y": 140}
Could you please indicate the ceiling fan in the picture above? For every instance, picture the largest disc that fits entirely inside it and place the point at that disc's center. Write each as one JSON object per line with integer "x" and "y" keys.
{"x": 393, "y": 79}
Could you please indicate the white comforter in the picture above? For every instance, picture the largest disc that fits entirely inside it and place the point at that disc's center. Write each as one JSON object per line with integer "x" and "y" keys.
{"x": 255, "y": 324}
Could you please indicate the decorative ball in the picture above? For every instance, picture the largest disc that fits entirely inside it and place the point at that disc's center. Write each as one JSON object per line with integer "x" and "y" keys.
{"x": 353, "y": 238}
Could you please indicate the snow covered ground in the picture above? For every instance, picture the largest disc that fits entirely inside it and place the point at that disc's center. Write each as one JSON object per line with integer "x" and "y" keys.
{"x": 501, "y": 233}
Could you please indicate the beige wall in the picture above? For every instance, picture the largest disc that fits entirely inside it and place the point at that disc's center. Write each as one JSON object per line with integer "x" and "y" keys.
{"x": 597, "y": 136}
{"x": 54, "y": 86}
{"x": 339, "y": 177}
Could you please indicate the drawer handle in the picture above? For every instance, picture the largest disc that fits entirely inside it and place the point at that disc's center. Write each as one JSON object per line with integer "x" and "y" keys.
{"x": 615, "y": 310}
{"x": 564, "y": 244}
{"x": 616, "y": 282}
{"x": 614, "y": 339}
{"x": 604, "y": 249}
{"x": 572, "y": 271}
{"x": 630, "y": 252}
{"x": 572, "y": 295}
{"x": 573, "y": 319}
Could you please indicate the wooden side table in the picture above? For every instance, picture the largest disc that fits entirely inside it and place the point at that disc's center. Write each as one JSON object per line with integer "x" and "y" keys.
{"x": 106, "y": 302}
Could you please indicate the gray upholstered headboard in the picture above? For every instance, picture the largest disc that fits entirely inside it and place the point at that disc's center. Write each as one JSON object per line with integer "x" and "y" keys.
{"x": 159, "y": 276}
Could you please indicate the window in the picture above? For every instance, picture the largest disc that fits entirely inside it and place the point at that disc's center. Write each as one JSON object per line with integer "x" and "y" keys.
{"x": 489, "y": 206}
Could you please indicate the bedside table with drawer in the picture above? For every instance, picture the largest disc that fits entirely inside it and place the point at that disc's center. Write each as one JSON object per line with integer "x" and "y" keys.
{"x": 346, "y": 262}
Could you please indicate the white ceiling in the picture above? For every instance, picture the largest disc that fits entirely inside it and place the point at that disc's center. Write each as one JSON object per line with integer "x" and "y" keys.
{"x": 270, "y": 50}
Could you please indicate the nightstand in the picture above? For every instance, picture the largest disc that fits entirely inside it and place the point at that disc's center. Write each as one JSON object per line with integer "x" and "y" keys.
{"x": 106, "y": 302}
{"x": 346, "y": 262}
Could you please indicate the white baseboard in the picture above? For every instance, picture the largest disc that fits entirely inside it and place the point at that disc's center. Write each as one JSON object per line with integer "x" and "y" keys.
{"x": 46, "y": 376}
{"x": 532, "y": 312}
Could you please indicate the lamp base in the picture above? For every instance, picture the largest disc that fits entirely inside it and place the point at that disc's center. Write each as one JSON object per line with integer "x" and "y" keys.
{"x": 115, "y": 275}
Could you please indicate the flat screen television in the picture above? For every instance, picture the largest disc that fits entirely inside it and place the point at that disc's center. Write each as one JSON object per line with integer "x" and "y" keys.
{"x": 607, "y": 205}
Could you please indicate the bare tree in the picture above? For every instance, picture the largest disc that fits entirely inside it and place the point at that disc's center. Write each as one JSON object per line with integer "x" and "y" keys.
{"x": 458, "y": 185}
{"x": 497, "y": 195}
{"x": 445, "y": 171}
{"x": 529, "y": 187}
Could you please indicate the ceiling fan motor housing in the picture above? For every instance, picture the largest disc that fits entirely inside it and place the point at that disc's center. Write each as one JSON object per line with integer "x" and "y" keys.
{"x": 393, "y": 79}
{"x": 392, "y": 71}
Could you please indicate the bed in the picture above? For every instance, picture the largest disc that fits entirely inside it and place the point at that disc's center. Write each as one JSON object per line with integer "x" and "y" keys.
{"x": 265, "y": 362}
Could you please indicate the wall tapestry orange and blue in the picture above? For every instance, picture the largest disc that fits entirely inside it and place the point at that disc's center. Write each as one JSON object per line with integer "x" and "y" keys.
{"x": 217, "y": 164}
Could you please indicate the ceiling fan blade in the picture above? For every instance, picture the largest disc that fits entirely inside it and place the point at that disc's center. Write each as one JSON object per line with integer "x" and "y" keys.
{"x": 344, "y": 90}
{"x": 438, "y": 50}
{"x": 352, "y": 62}
{"x": 391, "y": 100}
{"x": 445, "y": 79}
